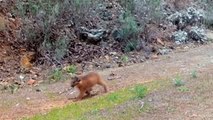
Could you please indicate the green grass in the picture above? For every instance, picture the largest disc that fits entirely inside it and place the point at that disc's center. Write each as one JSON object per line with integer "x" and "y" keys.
{"x": 183, "y": 89}
{"x": 78, "y": 110}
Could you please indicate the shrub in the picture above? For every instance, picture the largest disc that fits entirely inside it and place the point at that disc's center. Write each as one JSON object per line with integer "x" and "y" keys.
{"x": 39, "y": 18}
{"x": 56, "y": 75}
{"x": 136, "y": 15}
{"x": 129, "y": 31}
{"x": 72, "y": 69}
{"x": 45, "y": 22}
{"x": 129, "y": 26}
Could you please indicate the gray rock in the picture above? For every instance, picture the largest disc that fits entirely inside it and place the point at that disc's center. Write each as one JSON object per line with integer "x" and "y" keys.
{"x": 107, "y": 65}
{"x": 180, "y": 37}
{"x": 92, "y": 35}
{"x": 113, "y": 53}
{"x": 175, "y": 17}
{"x": 164, "y": 51}
{"x": 198, "y": 34}
{"x": 117, "y": 35}
{"x": 194, "y": 15}
{"x": 186, "y": 17}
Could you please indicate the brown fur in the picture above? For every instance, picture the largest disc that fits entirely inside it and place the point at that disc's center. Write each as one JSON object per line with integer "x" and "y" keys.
{"x": 86, "y": 82}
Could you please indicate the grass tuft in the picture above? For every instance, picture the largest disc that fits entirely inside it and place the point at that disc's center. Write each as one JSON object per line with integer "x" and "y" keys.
{"x": 178, "y": 82}
{"x": 140, "y": 91}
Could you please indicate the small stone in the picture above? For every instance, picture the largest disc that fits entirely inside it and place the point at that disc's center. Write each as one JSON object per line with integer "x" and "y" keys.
{"x": 12, "y": 19}
{"x": 120, "y": 64}
{"x": 90, "y": 66}
{"x": 107, "y": 57}
{"x": 21, "y": 77}
{"x": 38, "y": 90}
{"x": 27, "y": 98}
{"x": 134, "y": 60}
{"x": 150, "y": 100}
{"x": 142, "y": 60}
{"x": 17, "y": 104}
{"x": 154, "y": 57}
{"x": 107, "y": 66}
{"x": 35, "y": 76}
{"x": 109, "y": 6}
{"x": 112, "y": 74}
{"x": 113, "y": 53}
{"x": 194, "y": 115}
{"x": 31, "y": 82}
{"x": 164, "y": 51}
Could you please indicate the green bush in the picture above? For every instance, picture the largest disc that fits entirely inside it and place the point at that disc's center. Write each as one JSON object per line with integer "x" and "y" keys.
{"x": 129, "y": 27}
{"x": 129, "y": 32}
{"x": 141, "y": 11}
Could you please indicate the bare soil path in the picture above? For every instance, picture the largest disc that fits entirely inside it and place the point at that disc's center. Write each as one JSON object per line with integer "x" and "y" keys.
{"x": 27, "y": 102}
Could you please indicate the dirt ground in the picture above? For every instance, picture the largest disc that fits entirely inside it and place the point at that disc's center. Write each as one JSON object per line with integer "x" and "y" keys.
{"x": 193, "y": 101}
{"x": 28, "y": 101}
